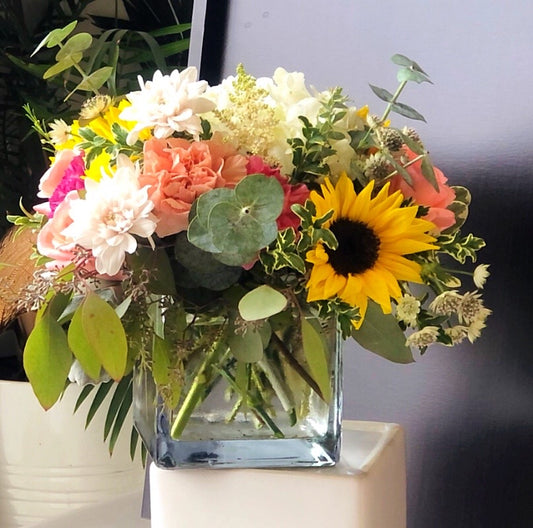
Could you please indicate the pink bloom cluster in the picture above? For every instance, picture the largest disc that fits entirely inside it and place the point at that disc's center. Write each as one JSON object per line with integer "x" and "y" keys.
{"x": 175, "y": 173}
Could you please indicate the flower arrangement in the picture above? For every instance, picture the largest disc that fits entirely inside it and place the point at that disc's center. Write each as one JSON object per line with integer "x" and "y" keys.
{"x": 231, "y": 213}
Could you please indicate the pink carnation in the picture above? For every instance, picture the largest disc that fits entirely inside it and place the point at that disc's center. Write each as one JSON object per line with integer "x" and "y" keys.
{"x": 293, "y": 193}
{"x": 423, "y": 193}
{"x": 71, "y": 181}
{"x": 178, "y": 171}
{"x": 63, "y": 176}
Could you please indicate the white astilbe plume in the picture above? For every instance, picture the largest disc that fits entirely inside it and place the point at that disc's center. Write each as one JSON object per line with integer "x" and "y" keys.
{"x": 168, "y": 104}
{"x": 113, "y": 211}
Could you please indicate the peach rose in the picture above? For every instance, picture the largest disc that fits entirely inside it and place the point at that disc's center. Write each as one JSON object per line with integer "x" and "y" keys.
{"x": 51, "y": 178}
{"x": 51, "y": 242}
{"x": 423, "y": 193}
{"x": 178, "y": 171}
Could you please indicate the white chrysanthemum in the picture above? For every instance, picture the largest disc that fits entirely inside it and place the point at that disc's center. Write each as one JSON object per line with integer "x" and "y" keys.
{"x": 407, "y": 310}
{"x": 59, "y": 132}
{"x": 113, "y": 211}
{"x": 481, "y": 274}
{"x": 424, "y": 337}
{"x": 168, "y": 104}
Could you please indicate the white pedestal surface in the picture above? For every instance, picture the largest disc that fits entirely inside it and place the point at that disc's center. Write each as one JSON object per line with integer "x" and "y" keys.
{"x": 366, "y": 489}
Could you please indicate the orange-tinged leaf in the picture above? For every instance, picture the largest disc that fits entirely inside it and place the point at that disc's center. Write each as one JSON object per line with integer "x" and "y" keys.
{"x": 81, "y": 347}
{"x": 105, "y": 334}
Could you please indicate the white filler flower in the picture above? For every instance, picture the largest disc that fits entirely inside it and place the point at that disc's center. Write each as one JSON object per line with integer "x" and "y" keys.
{"x": 168, "y": 104}
{"x": 113, "y": 211}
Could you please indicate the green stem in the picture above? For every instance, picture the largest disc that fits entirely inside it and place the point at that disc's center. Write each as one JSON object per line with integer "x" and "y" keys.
{"x": 195, "y": 393}
{"x": 254, "y": 406}
{"x": 296, "y": 366}
{"x": 388, "y": 109}
{"x": 397, "y": 93}
{"x": 458, "y": 272}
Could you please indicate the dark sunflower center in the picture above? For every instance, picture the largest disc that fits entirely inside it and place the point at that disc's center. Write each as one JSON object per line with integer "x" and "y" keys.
{"x": 358, "y": 247}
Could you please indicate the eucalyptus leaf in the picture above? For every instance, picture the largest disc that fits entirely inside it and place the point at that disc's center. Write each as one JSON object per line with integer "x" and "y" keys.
{"x": 317, "y": 357}
{"x": 47, "y": 360}
{"x": 407, "y": 111}
{"x": 75, "y": 44}
{"x": 402, "y": 60}
{"x": 405, "y": 74}
{"x": 261, "y": 303}
{"x": 247, "y": 347}
{"x": 206, "y": 270}
{"x": 96, "y": 80}
{"x": 66, "y": 63}
{"x": 105, "y": 334}
{"x": 381, "y": 334}
{"x": 261, "y": 196}
{"x": 235, "y": 231}
{"x": 429, "y": 173}
{"x": 56, "y": 36}
{"x": 383, "y": 94}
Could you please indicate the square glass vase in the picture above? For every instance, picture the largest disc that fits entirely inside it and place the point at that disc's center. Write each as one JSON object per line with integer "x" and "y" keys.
{"x": 264, "y": 414}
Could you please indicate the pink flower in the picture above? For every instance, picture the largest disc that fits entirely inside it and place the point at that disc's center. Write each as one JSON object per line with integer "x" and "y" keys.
{"x": 293, "y": 193}
{"x": 424, "y": 194}
{"x": 51, "y": 242}
{"x": 71, "y": 181}
{"x": 63, "y": 176}
{"x": 178, "y": 171}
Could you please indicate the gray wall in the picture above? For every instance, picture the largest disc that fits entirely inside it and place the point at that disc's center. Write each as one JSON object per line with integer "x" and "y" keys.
{"x": 467, "y": 412}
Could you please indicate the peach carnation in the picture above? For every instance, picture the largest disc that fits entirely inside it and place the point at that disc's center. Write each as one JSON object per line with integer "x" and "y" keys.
{"x": 177, "y": 172}
{"x": 423, "y": 193}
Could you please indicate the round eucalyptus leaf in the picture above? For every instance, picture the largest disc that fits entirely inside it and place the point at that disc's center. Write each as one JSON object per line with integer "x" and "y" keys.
{"x": 208, "y": 200}
{"x": 261, "y": 196}
{"x": 262, "y": 302}
{"x": 234, "y": 230}
{"x": 200, "y": 236}
{"x": 247, "y": 347}
{"x": 206, "y": 270}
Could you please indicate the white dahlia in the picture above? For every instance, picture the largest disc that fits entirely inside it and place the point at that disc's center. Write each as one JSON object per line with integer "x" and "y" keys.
{"x": 113, "y": 211}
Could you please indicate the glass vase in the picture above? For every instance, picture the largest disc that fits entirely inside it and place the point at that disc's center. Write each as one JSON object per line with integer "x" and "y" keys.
{"x": 231, "y": 413}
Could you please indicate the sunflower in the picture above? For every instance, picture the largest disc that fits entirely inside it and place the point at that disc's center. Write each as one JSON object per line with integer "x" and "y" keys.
{"x": 373, "y": 236}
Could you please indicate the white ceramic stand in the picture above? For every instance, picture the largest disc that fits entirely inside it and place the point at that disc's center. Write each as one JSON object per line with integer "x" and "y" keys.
{"x": 366, "y": 489}
{"x": 50, "y": 464}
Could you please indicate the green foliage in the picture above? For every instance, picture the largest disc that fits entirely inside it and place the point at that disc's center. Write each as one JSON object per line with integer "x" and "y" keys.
{"x": 310, "y": 153}
{"x": 47, "y": 360}
{"x": 461, "y": 248}
{"x": 261, "y": 302}
{"x": 234, "y": 224}
{"x": 381, "y": 334}
{"x": 317, "y": 356}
